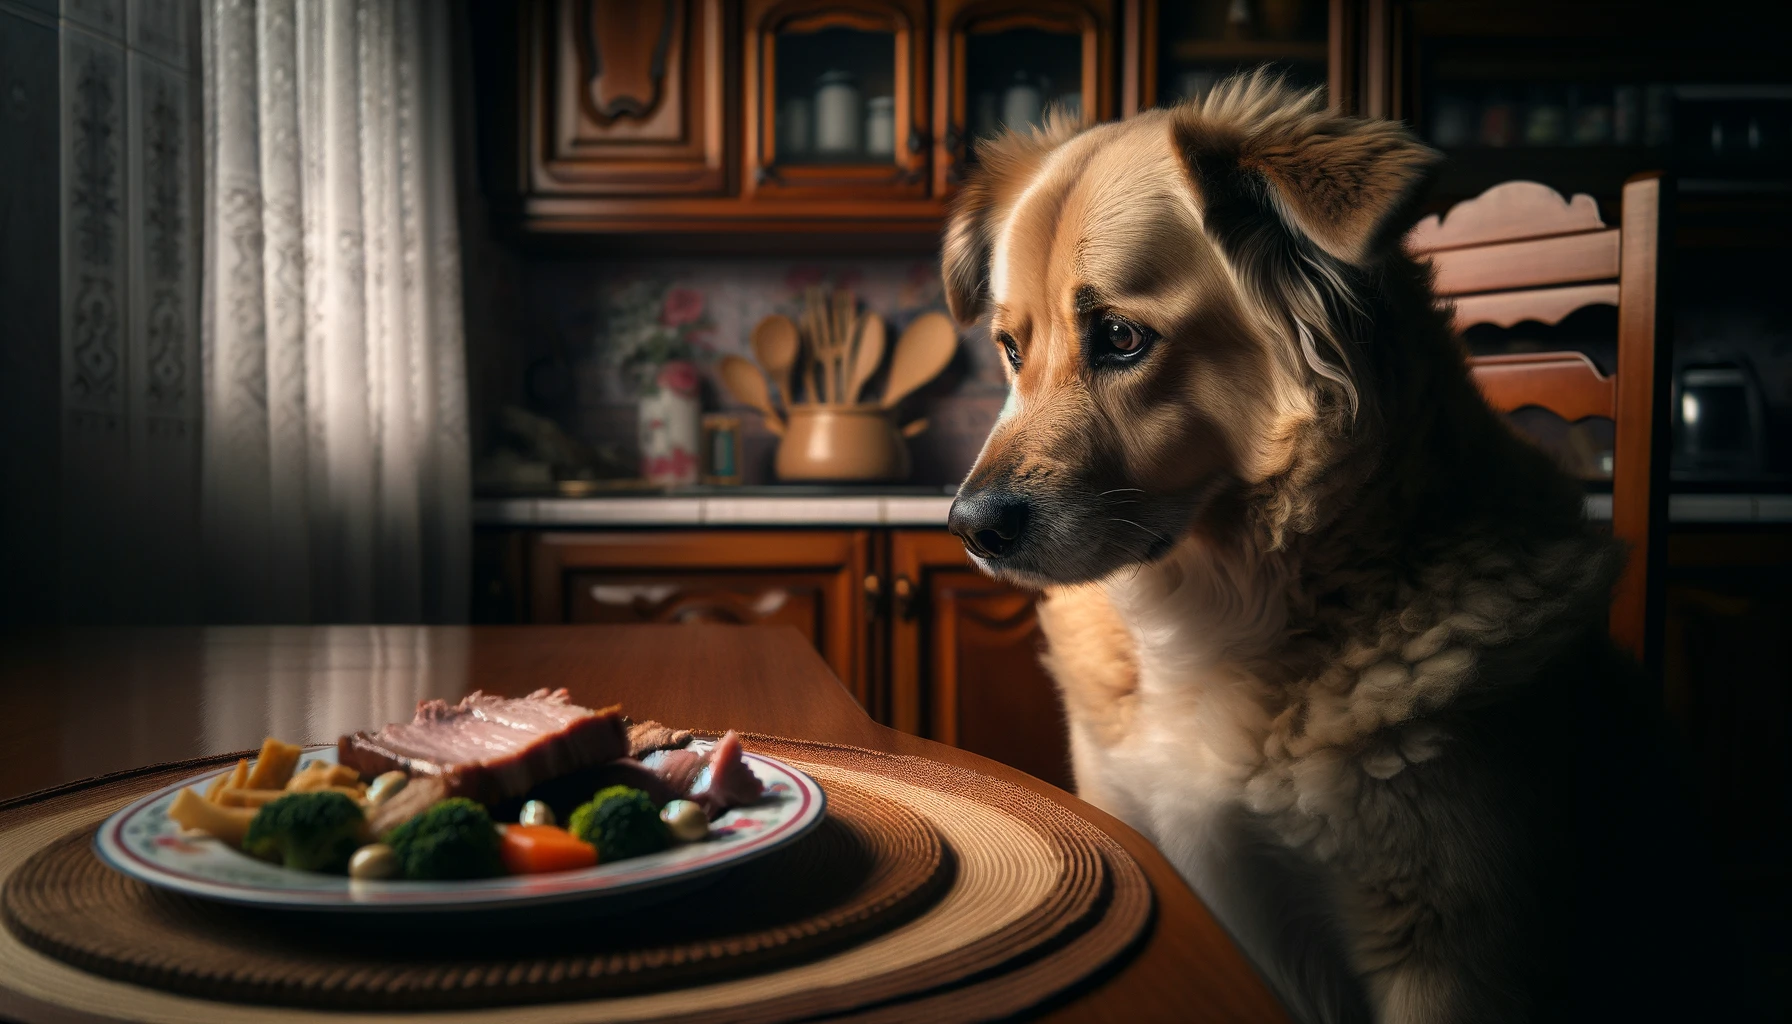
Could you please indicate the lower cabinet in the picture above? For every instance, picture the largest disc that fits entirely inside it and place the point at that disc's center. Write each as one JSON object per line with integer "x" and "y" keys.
{"x": 922, "y": 639}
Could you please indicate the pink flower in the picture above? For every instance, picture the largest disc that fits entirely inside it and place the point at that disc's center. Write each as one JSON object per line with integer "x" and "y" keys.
{"x": 683, "y": 306}
{"x": 679, "y": 378}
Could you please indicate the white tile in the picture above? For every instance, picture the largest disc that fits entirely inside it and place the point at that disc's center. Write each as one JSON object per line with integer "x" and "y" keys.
{"x": 618, "y": 511}
{"x": 916, "y": 511}
{"x": 855, "y": 511}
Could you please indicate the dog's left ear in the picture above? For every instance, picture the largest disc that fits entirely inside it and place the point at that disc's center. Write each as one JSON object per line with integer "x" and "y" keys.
{"x": 1351, "y": 192}
{"x": 1348, "y": 185}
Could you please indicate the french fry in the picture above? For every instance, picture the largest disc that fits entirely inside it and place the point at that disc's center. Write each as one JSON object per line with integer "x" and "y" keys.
{"x": 274, "y": 767}
{"x": 234, "y": 780}
{"x": 323, "y": 776}
{"x": 217, "y": 785}
{"x": 228, "y": 824}
{"x": 252, "y": 798}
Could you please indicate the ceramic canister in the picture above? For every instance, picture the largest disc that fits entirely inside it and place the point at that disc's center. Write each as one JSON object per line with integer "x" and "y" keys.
{"x": 794, "y": 126}
{"x": 1023, "y": 104}
{"x": 839, "y": 116}
{"x": 880, "y": 126}
{"x": 670, "y": 427}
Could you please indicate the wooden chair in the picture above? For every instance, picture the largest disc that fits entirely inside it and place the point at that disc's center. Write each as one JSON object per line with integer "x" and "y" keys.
{"x": 1520, "y": 252}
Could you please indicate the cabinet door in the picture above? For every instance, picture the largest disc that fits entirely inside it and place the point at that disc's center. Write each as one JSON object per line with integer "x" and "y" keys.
{"x": 625, "y": 97}
{"x": 836, "y": 99}
{"x": 1177, "y": 51}
{"x": 965, "y": 659}
{"x": 810, "y": 580}
{"x": 1004, "y": 63}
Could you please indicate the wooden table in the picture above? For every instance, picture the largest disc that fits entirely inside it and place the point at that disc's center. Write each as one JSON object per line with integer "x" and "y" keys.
{"x": 83, "y": 703}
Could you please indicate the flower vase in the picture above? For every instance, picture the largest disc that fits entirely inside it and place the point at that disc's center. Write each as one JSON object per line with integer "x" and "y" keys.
{"x": 670, "y": 422}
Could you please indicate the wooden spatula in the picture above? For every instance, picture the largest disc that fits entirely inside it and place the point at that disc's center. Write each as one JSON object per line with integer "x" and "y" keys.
{"x": 775, "y": 345}
{"x": 744, "y": 381}
{"x": 868, "y": 352}
{"x": 924, "y": 349}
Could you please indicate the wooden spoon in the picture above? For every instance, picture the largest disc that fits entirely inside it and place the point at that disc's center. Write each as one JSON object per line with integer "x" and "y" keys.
{"x": 867, "y": 354}
{"x": 745, "y": 382}
{"x": 921, "y": 353}
{"x": 775, "y": 345}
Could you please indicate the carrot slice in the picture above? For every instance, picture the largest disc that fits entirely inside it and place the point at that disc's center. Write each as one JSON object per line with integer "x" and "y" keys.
{"x": 533, "y": 849}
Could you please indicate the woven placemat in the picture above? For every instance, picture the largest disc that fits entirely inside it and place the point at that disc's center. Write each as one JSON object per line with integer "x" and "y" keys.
{"x": 1023, "y": 900}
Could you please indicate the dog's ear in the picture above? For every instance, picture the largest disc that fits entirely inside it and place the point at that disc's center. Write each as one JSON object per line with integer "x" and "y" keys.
{"x": 1352, "y": 192}
{"x": 1004, "y": 165}
{"x": 1347, "y": 185}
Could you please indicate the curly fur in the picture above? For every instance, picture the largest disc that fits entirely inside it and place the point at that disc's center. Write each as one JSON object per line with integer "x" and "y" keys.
{"x": 1338, "y": 699}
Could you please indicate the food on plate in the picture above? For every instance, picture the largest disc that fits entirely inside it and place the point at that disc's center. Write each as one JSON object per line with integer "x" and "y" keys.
{"x": 622, "y": 823}
{"x": 274, "y": 767}
{"x": 536, "y": 812}
{"x": 537, "y": 849}
{"x": 686, "y": 820}
{"x": 373, "y": 862}
{"x": 491, "y": 749}
{"x": 311, "y": 831}
{"x": 422, "y": 800}
{"x": 230, "y": 824}
{"x": 454, "y": 839}
{"x": 385, "y": 787}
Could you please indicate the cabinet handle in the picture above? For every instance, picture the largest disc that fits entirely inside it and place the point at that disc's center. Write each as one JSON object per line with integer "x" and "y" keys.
{"x": 874, "y": 595}
{"x": 905, "y": 597}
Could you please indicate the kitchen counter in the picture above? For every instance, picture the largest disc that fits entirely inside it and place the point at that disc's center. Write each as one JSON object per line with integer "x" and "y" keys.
{"x": 916, "y": 507}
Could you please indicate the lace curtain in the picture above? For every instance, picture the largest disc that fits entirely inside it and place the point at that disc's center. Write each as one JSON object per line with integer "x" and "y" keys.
{"x": 335, "y": 484}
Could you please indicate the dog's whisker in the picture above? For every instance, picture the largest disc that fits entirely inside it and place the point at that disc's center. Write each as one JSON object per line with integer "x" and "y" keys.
{"x": 1154, "y": 535}
{"x": 1122, "y": 490}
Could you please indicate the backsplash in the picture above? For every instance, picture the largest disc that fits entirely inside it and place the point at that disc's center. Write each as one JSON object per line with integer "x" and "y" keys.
{"x": 590, "y": 328}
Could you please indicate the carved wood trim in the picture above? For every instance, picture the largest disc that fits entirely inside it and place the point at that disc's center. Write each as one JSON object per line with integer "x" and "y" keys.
{"x": 1537, "y": 305}
{"x": 1566, "y": 259}
{"x": 1565, "y": 383}
{"x": 1506, "y": 212}
{"x": 616, "y": 24}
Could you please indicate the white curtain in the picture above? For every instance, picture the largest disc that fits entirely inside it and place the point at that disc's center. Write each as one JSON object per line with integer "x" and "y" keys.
{"x": 336, "y": 482}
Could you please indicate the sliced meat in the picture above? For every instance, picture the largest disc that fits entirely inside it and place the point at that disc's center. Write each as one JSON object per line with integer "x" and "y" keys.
{"x": 717, "y": 780}
{"x": 491, "y": 749}
{"x": 417, "y": 796}
{"x": 646, "y": 737}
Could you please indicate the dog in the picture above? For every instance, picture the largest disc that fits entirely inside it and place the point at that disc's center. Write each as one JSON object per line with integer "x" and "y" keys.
{"x": 1326, "y": 630}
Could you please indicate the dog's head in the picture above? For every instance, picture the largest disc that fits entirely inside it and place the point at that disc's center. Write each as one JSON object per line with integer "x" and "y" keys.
{"x": 1172, "y": 295}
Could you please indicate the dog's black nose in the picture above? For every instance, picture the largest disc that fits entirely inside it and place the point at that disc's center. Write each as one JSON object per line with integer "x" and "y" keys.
{"x": 989, "y": 521}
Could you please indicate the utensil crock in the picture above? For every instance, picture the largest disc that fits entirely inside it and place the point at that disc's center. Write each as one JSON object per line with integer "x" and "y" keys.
{"x": 842, "y": 442}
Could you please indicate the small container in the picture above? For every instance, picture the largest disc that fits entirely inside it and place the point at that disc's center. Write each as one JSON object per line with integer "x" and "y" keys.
{"x": 795, "y": 128}
{"x": 1498, "y": 121}
{"x": 1546, "y": 118}
{"x": 1022, "y": 103}
{"x": 839, "y": 115}
{"x": 669, "y": 424}
{"x": 843, "y": 443}
{"x": 721, "y": 447}
{"x": 880, "y": 126}
{"x": 1452, "y": 121}
{"x": 1627, "y": 115}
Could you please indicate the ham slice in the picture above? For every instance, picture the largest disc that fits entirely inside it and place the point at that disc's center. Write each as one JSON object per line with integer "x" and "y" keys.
{"x": 717, "y": 780}
{"x": 491, "y": 749}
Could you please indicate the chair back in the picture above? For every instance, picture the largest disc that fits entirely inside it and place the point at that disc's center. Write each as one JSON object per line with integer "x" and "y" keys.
{"x": 1520, "y": 252}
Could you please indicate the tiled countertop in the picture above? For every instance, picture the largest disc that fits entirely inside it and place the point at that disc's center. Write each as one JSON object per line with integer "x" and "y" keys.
{"x": 930, "y": 510}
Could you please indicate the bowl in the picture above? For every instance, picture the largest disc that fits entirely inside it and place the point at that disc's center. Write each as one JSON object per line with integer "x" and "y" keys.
{"x": 842, "y": 442}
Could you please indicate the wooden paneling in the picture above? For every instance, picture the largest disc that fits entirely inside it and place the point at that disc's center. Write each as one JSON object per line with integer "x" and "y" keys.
{"x": 1565, "y": 383}
{"x": 1592, "y": 256}
{"x": 812, "y": 580}
{"x": 965, "y": 659}
{"x": 626, "y": 98}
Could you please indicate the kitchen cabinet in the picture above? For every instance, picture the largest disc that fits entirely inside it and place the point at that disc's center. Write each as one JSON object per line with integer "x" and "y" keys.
{"x": 836, "y": 99}
{"x": 924, "y": 642}
{"x": 1006, "y": 63}
{"x": 964, "y": 659}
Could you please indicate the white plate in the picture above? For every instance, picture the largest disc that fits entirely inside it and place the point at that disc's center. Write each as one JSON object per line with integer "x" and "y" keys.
{"x": 142, "y": 842}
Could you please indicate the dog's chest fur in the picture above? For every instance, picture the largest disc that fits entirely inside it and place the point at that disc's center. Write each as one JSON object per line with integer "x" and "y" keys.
{"x": 1325, "y": 815}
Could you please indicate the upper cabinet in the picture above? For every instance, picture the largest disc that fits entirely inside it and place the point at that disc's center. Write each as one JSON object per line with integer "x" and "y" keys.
{"x": 625, "y": 98}
{"x": 1002, "y": 64}
{"x": 836, "y": 99}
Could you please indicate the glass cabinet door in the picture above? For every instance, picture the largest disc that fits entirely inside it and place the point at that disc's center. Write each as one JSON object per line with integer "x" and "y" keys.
{"x": 1003, "y": 65}
{"x": 834, "y": 93}
{"x": 1199, "y": 43}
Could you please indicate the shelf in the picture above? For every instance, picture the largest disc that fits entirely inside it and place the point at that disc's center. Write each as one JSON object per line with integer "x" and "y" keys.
{"x": 1249, "y": 50}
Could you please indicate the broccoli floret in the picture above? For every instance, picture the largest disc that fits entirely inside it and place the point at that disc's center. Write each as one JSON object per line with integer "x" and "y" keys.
{"x": 315, "y": 831}
{"x": 453, "y": 839}
{"x": 621, "y": 822}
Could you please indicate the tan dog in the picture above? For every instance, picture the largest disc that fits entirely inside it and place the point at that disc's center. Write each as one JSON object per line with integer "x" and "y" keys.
{"x": 1323, "y": 625}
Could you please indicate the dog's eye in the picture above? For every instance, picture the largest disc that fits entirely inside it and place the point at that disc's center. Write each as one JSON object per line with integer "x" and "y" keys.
{"x": 1009, "y": 349}
{"x": 1118, "y": 340}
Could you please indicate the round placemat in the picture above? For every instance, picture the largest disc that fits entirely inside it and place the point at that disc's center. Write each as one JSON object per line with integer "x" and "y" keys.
{"x": 1023, "y": 900}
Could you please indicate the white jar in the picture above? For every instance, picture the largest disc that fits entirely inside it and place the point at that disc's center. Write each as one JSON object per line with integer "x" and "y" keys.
{"x": 880, "y": 126}
{"x": 839, "y": 116}
{"x": 1022, "y": 104}
{"x": 794, "y": 124}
